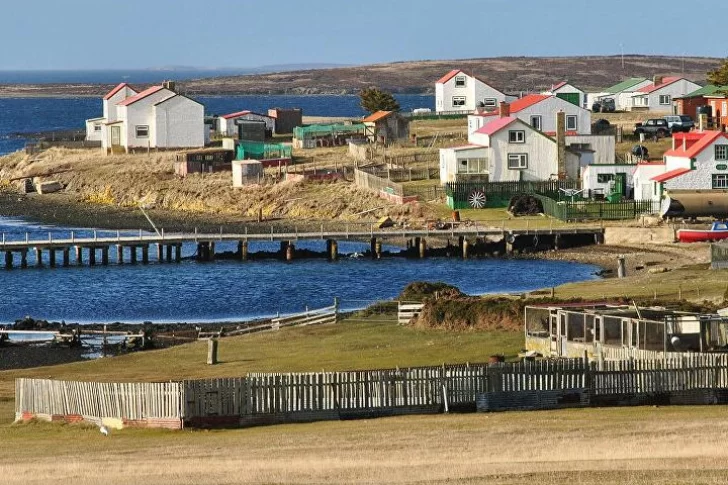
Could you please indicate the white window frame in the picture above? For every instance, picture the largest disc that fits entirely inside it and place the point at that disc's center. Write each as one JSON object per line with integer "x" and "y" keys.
{"x": 573, "y": 118}
{"x": 722, "y": 179}
{"x": 516, "y": 136}
{"x": 665, "y": 99}
{"x": 472, "y": 166}
{"x": 137, "y": 128}
{"x": 461, "y": 101}
{"x": 97, "y": 127}
{"x": 721, "y": 152}
{"x": 517, "y": 161}
{"x": 490, "y": 102}
{"x": 539, "y": 122}
{"x": 461, "y": 81}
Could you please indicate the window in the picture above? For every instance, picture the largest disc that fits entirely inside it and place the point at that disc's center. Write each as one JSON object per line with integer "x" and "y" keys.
{"x": 604, "y": 178}
{"x": 142, "y": 131}
{"x": 720, "y": 181}
{"x": 571, "y": 123}
{"x": 516, "y": 136}
{"x": 473, "y": 165}
{"x": 458, "y": 100}
{"x": 665, "y": 99}
{"x": 97, "y": 127}
{"x": 517, "y": 161}
{"x": 721, "y": 152}
{"x": 490, "y": 102}
{"x": 536, "y": 122}
{"x": 460, "y": 81}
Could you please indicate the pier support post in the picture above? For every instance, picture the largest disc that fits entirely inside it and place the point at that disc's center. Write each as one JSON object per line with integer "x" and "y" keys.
{"x": 52, "y": 257}
{"x": 243, "y": 250}
{"x": 557, "y": 241}
{"x": 8, "y": 259}
{"x": 290, "y": 251}
{"x": 621, "y": 267}
{"x": 423, "y": 248}
{"x": 38, "y": 257}
{"x": 599, "y": 238}
{"x": 373, "y": 247}
{"x": 168, "y": 252}
{"x": 465, "y": 246}
{"x": 332, "y": 249}
{"x": 212, "y": 351}
{"x": 132, "y": 254}
{"x": 203, "y": 251}
{"x": 160, "y": 253}
{"x": 145, "y": 254}
{"x": 105, "y": 255}
{"x": 510, "y": 239}
{"x": 119, "y": 254}
{"x": 24, "y": 258}
{"x": 211, "y": 255}
{"x": 79, "y": 255}
{"x": 92, "y": 256}
{"x": 177, "y": 253}
{"x": 378, "y": 248}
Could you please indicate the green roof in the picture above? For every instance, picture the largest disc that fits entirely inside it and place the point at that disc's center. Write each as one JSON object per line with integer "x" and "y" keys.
{"x": 706, "y": 91}
{"x": 625, "y": 85}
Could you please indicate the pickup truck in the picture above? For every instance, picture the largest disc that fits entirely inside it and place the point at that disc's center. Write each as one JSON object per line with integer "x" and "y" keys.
{"x": 653, "y": 127}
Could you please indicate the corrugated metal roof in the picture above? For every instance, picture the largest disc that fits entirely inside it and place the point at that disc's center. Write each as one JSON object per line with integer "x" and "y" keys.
{"x": 559, "y": 86}
{"x": 523, "y": 103}
{"x": 140, "y": 96}
{"x": 705, "y": 141}
{"x": 376, "y": 116}
{"x": 496, "y": 125}
{"x": 118, "y": 88}
{"x": 708, "y": 90}
{"x": 664, "y": 177}
{"x": 448, "y": 76}
{"x": 625, "y": 85}
{"x": 666, "y": 81}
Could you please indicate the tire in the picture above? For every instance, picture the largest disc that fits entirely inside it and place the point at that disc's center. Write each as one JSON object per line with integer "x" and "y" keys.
{"x": 661, "y": 133}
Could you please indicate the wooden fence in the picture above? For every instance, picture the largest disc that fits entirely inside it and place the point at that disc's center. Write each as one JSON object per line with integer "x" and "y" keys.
{"x": 405, "y": 174}
{"x": 372, "y": 182}
{"x": 406, "y": 311}
{"x": 279, "y": 398}
{"x": 499, "y": 194}
{"x": 590, "y": 210}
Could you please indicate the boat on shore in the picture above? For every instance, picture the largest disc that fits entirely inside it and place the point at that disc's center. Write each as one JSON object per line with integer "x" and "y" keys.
{"x": 717, "y": 232}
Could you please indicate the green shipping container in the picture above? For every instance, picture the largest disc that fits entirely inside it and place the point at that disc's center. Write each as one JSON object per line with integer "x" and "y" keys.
{"x": 573, "y": 98}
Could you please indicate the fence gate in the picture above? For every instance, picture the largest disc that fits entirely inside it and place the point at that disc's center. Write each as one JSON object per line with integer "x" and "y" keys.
{"x": 406, "y": 311}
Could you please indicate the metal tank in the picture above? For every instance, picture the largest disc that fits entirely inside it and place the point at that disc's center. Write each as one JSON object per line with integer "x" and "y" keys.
{"x": 695, "y": 203}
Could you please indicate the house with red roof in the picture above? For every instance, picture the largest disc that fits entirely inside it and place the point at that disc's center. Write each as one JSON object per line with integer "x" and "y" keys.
{"x": 657, "y": 96}
{"x": 157, "y": 117}
{"x": 697, "y": 161}
{"x": 227, "y": 125}
{"x": 463, "y": 92}
{"x": 95, "y": 126}
{"x": 507, "y": 149}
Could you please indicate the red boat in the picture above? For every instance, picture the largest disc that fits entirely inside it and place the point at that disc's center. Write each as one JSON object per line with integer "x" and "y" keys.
{"x": 718, "y": 231}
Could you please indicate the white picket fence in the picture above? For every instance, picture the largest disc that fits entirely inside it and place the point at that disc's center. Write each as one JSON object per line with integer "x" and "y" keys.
{"x": 317, "y": 316}
{"x": 406, "y": 311}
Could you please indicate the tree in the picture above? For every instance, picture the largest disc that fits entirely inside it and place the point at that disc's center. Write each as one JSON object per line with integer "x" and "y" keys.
{"x": 719, "y": 75}
{"x": 374, "y": 99}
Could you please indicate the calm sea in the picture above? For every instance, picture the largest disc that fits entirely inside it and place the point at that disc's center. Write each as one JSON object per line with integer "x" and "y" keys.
{"x": 31, "y": 115}
{"x": 232, "y": 290}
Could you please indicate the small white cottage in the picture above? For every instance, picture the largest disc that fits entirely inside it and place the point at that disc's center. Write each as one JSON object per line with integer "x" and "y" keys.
{"x": 459, "y": 91}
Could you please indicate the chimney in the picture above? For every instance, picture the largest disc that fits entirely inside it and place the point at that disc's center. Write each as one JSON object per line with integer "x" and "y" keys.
{"x": 171, "y": 85}
{"x": 657, "y": 80}
{"x": 561, "y": 144}
{"x": 504, "y": 109}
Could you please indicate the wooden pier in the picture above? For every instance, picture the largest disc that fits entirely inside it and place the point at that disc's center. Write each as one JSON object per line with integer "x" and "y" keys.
{"x": 168, "y": 247}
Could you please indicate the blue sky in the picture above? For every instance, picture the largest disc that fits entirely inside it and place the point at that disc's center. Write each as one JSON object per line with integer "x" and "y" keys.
{"x": 103, "y": 34}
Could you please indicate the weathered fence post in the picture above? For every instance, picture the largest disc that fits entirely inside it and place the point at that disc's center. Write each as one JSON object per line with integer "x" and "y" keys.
{"x": 212, "y": 351}
{"x": 621, "y": 267}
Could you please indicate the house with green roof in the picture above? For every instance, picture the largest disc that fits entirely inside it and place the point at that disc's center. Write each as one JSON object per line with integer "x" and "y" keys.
{"x": 710, "y": 95}
{"x": 622, "y": 92}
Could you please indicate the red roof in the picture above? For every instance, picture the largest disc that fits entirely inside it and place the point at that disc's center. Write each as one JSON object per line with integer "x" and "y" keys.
{"x": 496, "y": 125}
{"x": 560, "y": 85}
{"x": 374, "y": 117}
{"x": 118, "y": 88}
{"x": 665, "y": 82}
{"x": 448, "y": 76}
{"x": 236, "y": 114}
{"x": 523, "y": 103}
{"x": 664, "y": 177}
{"x": 708, "y": 137}
{"x": 140, "y": 96}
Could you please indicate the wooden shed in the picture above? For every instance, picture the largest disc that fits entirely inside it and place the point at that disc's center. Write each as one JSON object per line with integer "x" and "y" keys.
{"x": 203, "y": 161}
{"x": 386, "y": 127}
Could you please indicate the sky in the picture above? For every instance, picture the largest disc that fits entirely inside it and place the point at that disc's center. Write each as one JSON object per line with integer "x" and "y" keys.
{"x": 134, "y": 34}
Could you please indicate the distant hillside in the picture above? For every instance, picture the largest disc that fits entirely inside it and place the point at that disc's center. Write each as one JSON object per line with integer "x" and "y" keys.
{"x": 511, "y": 74}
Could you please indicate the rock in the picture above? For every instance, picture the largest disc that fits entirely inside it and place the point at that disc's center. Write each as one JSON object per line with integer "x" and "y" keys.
{"x": 657, "y": 270}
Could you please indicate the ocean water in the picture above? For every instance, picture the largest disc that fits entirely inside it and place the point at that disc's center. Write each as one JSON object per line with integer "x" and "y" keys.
{"x": 31, "y": 115}
{"x": 232, "y": 290}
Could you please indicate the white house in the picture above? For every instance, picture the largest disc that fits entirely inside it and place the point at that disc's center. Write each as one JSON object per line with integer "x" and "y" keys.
{"x": 507, "y": 149}
{"x": 157, "y": 117}
{"x": 539, "y": 111}
{"x": 698, "y": 160}
{"x": 569, "y": 92}
{"x": 458, "y": 91}
{"x": 622, "y": 92}
{"x": 658, "y": 95}
{"x": 605, "y": 179}
{"x": 95, "y": 129}
{"x": 644, "y": 187}
{"x": 226, "y": 123}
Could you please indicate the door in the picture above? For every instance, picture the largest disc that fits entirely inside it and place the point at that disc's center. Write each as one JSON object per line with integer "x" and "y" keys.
{"x": 115, "y": 136}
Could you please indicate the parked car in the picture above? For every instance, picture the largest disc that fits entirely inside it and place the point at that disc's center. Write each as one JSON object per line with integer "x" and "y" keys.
{"x": 604, "y": 105}
{"x": 678, "y": 123}
{"x": 653, "y": 127}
